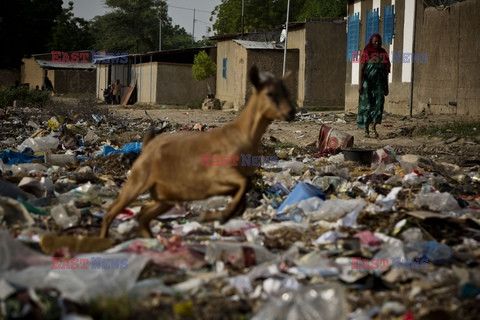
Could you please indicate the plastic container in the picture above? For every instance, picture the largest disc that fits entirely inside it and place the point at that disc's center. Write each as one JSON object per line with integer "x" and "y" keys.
{"x": 331, "y": 140}
{"x": 58, "y": 159}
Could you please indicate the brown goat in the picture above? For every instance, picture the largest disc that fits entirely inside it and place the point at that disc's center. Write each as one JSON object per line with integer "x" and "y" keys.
{"x": 172, "y": 168}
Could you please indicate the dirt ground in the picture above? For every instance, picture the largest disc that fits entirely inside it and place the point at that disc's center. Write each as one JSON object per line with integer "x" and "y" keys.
{"x": 400, "y": 132}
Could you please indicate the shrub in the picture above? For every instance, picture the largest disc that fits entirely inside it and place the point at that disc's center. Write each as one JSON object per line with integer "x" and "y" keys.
{"x": 8, "y": 95}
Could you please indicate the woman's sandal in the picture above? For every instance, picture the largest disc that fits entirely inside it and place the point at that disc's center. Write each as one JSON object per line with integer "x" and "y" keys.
{"x": 374, "y": 134}
{"x": 366, "y": 135}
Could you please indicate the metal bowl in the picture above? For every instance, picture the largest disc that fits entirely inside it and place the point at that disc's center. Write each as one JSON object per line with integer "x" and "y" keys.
{"x": 362, "y": 156}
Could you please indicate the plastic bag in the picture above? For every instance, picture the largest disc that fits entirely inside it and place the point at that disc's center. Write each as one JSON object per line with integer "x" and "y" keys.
{"x": 39, "y": 144}
{"x": 436, "y": 201}
{"x": 333, "y": 209}
{"x": 239, "y": 255}
{"x": 317, "y": 302}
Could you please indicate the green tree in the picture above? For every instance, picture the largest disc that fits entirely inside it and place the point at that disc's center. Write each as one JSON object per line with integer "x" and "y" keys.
{"x": 71, "y": 33}
{"x": 258, "y": 15}
{"x": 203, "y": 68}
{"x": 133, "y": 26}
{"x": 321, "y": 9}
{"x": 268, "y": 14}
{"x": 26, "y": 28}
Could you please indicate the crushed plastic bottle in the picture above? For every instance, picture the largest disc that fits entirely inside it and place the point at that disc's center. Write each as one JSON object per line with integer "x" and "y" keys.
{"x": 65, "y": 216}
{"x": 297, "y": 215}
{"x": 39, "y": 144}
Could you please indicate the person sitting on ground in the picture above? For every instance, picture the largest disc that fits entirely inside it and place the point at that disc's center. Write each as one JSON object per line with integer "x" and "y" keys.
{"x": 47, "y": 85}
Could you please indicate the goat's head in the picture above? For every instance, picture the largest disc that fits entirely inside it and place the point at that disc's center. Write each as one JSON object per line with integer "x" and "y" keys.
{"x": 272, "y": 95}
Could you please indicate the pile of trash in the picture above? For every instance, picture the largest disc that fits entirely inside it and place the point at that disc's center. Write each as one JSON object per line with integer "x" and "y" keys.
{"x": 324, "y": 237}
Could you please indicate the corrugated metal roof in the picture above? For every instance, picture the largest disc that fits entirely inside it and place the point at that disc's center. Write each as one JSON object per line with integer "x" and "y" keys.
{"x": 258, "y": 44}
{"x": 57, "y": 65}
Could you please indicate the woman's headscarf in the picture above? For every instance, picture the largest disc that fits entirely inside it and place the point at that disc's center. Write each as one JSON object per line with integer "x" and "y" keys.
{"x": 370, "y": 51}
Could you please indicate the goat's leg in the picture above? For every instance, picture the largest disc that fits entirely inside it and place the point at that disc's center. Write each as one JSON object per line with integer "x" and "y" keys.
{"x": 148, "y": 213}
{"x": 133, "y": 187}
{"x": 235, "y": 207}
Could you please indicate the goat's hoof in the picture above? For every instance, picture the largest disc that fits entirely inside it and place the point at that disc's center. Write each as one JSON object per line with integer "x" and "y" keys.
{"x": 209, "y": 216}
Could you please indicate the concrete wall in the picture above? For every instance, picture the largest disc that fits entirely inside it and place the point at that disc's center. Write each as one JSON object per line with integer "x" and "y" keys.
{"x": 324, "y": 62}
{"x": 452, "y": 74}
{"x": 102, "y": 80}
{"x": 156, "y": 83}
{"x": 297, "y": 40}
{"x": 74, "y": 81}
{"x": 8, "y": 77}
{"x": 176, "y": 85}
{"x": 231, "y": 88}
{"x": 32, "y": 73}
{"x": 272, "y": 61}
{"x": 235, "y": 88}
{"x": 146, "y": 82}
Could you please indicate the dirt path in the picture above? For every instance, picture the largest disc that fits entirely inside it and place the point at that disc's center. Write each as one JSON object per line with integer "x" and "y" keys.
{"x": 399, "y": 132}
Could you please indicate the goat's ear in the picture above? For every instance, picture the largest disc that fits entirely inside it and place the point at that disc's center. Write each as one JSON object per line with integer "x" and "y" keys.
{"x": 287, "y": 74}
{"x": 254, "y": 77}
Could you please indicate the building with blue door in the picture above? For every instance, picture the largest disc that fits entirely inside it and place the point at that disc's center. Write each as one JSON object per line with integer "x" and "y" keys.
{"x": 433, "y": 47}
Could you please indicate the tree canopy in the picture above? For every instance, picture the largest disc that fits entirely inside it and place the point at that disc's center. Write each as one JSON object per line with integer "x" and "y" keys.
{"x": 264, "y": 15}
{"x": 26, "y": 28}
{"x": 70, "y": 33}
{"x": 133, "y": 26}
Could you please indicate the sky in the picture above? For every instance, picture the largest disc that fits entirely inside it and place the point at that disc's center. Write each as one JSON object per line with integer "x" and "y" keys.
{"x": 181, "y": 12}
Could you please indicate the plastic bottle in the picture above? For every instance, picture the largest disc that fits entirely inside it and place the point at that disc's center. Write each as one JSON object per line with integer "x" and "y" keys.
{"x": 65, "y": 215}
{"x": 297, "y": 215}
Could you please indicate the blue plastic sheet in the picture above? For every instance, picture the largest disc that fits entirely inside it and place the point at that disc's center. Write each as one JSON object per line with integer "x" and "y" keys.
{"x": 13, "y": 157}
{"x": 301, "y": 192}
{"x": 135, "y": 147}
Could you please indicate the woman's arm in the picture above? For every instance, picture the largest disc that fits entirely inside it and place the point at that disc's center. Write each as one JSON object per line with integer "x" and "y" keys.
{"x": 386, "y": 85}
{"x": 362, "y": 71}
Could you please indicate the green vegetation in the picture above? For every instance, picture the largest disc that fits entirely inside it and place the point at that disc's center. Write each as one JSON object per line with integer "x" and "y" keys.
{"x": 197, "y": 104}
{"x": 37, "y": 97}
{"x": 266, "y": 15}
{"x": 203, "y": 68}
{"x": 121, "y": 307}
{"x": 467, "y": 129}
